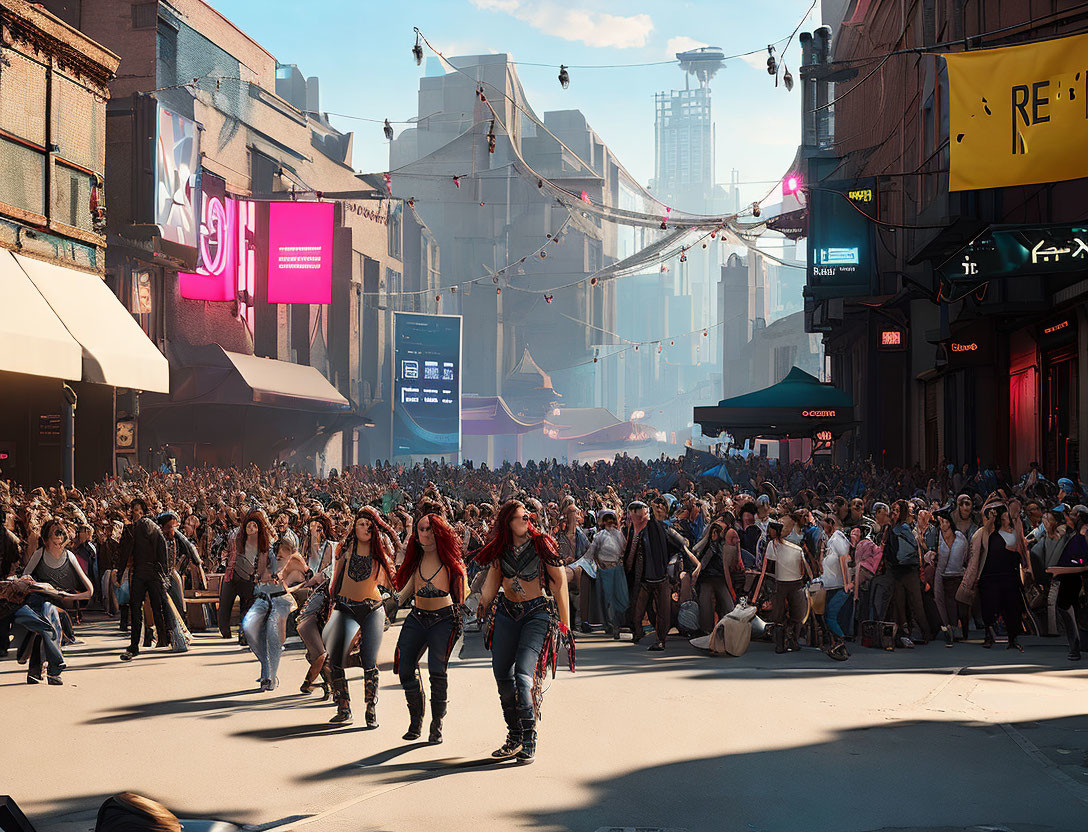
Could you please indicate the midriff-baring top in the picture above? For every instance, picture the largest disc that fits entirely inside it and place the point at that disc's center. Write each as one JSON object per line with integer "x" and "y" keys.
{"x": 429, "y": 590}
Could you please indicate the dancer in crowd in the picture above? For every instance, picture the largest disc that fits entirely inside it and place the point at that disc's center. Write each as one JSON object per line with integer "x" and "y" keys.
{"x": 363, "y": 563}
{"x": 279, "y": 573}
{"x": 254, "y": 537}
{"x": 526, "y": 620}
{"x": 434, "y": 573}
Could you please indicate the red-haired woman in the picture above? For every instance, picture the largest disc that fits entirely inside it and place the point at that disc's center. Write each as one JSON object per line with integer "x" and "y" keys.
{"x": 361, "y": 563}
{"x": 435, "y": 573}
{"x": 523, "y": 635}
{"x": 254, "y": 536}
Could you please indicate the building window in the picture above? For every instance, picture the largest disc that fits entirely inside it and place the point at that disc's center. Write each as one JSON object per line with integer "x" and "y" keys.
{"x": 75, "y": 129}
{"x": 396, "y": 221}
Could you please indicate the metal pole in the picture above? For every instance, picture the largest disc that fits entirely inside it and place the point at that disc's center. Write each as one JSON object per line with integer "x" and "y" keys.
{"x": 70, "y": 400}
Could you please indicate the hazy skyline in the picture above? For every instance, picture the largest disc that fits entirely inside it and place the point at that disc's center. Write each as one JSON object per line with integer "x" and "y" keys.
{"x": 362, "y": 54}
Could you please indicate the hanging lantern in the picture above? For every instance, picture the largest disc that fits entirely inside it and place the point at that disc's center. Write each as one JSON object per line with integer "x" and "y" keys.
{"x": 457, "y": 181}
{"x": 388, "y": 130}
{"x": 417, "y": 50}
{"x": 564, "y": 77}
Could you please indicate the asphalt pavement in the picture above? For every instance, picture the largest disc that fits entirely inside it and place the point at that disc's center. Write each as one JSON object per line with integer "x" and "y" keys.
{"x": 926, "y": 739}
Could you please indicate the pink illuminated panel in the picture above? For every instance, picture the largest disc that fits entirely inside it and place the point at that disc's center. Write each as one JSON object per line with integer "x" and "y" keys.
{"x": 215, "y": 272}
{"x": 300, "y": 252}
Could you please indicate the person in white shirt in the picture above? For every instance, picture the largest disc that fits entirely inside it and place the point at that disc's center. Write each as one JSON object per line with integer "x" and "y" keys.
{"x": 838, "y": 583}
{"x": 606, "y": 552}
{"x": 790, "y": 601}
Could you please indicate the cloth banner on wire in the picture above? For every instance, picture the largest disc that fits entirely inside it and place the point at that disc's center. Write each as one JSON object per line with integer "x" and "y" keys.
{"x": 1017, "y": 114}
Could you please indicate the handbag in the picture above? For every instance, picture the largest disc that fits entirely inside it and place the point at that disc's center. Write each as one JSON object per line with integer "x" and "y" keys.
{"x": 879, "y": 635}
{"x": 817, "y": 596}
{"x": 966, "y": 594}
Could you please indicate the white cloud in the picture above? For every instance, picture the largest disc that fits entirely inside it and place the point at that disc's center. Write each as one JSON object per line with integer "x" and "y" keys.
{"x": 682, "y": 43}
{"x": 756, "y": 61}
{"x": 591, "y": 28}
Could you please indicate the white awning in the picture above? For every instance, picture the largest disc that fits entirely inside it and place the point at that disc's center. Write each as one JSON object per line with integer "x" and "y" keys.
{"x": 284, "y": 383}
{"x": 32, "y": 338}
{"x": 115, "y": 350}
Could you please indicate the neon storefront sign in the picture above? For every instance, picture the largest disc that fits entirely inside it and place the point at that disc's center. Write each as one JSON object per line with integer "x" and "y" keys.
{"x": 214, "y": 278}
{"x": 818, "y": 414}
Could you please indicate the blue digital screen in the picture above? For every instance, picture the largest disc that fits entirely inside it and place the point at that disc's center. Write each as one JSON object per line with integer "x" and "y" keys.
{"x": 426, "y": 385}
{"x": 839, "y": 257}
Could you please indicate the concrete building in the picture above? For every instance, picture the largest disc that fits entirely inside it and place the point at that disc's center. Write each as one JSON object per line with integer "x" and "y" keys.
{"x": 70, "y": 349}
{"x": 487, "y": 213}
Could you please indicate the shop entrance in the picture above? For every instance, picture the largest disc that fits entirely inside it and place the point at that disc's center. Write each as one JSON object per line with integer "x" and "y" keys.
{"x": 1060, "y": 417}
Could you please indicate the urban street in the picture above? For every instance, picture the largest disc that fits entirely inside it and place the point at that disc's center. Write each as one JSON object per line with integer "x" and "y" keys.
{"x": 932, "y": 739}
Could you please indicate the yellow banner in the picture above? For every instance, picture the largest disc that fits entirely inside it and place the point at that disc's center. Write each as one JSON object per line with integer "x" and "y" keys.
{"x": 1018, "y": 115}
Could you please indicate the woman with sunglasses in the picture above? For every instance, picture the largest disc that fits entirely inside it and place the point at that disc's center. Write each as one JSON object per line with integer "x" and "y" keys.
{"x": 362, "y": 563}
{"x": 55, "y": 565}
{"x": 523, "y": 636}
{"x": 434, "y": 573}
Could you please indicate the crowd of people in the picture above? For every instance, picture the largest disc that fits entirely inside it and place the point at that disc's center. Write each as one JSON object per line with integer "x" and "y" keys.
{"x": 825, "y": 556}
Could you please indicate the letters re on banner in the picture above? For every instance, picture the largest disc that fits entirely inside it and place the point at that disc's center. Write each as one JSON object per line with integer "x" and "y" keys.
{"x": 1018, "y": 115}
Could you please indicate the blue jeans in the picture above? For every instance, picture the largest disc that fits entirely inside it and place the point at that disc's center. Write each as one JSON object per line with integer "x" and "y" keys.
{"x": 265, "y": 626}
{"x": 519, "y": 635}
{"x": 837, "y": 599}
{"x": 612, "y": 586}
{"x": 45, "y": 638}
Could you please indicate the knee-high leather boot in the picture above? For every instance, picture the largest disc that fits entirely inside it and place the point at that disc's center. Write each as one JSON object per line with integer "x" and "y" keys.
{"x": 417, "y": 706}
{"x": 527, "y": 721}
{"x": 508, "y": 700}
{"x": 439, "y": 686}
{"x": 370, "y": 689}
{"x": 340, "y": 696}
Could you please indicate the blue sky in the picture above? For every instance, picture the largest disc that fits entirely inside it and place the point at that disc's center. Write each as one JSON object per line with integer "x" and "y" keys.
{"x": 360, "y": 49}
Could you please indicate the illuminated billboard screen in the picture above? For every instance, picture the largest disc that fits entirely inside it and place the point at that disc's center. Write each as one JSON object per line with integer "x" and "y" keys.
{"x": 300, "y": 252}
{"x": 426, "y": 385}
{"x": 840, "y": 237}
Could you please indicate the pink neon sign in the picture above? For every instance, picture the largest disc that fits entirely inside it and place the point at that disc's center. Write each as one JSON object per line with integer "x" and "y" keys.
{"x": 215, "y": 274}
{"x": 300, "y": 252}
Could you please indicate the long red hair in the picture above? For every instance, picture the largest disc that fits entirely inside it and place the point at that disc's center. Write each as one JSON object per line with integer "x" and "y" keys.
{"x": 381, "y": 535}
{"x": 500, "y": 537}
{"x": 449, "y": 546}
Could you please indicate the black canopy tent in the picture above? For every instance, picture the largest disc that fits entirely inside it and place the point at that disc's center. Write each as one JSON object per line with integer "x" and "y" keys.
{"x": 799, "y": 406}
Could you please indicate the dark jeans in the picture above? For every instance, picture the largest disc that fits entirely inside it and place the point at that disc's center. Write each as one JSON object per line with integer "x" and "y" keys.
{"x": 1000, "y": 595}
{"x": 239, "y": 589}
{"x": 519, "y": 635}
{"x": 155, "y": 590}
{"x": 661, "y": 592}
{"x": 430, "y": 631}
{"x": 789, "y": 602}
{"x": 714, "y": 597}
{"x": 908, "y": 593}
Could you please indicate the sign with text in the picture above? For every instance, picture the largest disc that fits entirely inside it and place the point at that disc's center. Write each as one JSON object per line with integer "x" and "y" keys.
{"x": 426, "y": 385}
{"x": 840, "y": 234}
{"x": 1020, "y": 250}
{"x": 216, "y": 269}
{"x": 300, "y": 252}
{"x": 1017, "y": 114}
